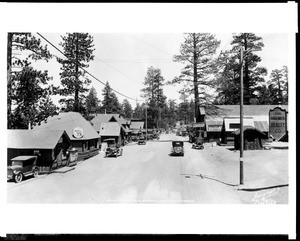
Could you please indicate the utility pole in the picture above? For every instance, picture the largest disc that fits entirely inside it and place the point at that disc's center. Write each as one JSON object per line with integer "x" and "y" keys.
{"x": 241, "y": 124}
{"x": 146, "y": 123}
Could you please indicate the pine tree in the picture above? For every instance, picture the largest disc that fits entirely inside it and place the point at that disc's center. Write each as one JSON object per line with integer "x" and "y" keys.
{"x": 127, "y": 109}
{"x": 279, "y": 84}
{"x": 33, "y": 104}
{"x": 196, "y": 52}
{"x": 153, "y": 92}
{"x": 92, "y": 103}
{"x": 78, "y": 47}
{"x": 28, "y": 91}
{"x": 110, "y": 103}
{"x": 253, "y": 75}
{"x": 139, "y": 111}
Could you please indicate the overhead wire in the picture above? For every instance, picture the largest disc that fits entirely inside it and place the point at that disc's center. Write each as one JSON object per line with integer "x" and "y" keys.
{"x": 86, "y": 70}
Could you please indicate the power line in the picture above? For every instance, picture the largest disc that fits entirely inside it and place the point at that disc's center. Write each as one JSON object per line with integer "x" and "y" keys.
{"x": 115, "y": 69}
{"x": 86, "y": 70}
{"x": 150, "y": 45}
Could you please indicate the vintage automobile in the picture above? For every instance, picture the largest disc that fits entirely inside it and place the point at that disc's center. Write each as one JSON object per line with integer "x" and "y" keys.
{"x": 156, "y": 136}
{"x": 177, "y": 148}
{"x": 142, "y": 140}
{"x": 22, "y": 166}
{"x": 198, "y": 144}
{"x": 113, "y": 149}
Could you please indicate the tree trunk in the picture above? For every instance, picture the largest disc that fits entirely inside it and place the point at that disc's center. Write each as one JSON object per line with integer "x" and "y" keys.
{"x": 196, "y": 91}
{"x": 76, "y": 97}
{"x": 9, "y": 53}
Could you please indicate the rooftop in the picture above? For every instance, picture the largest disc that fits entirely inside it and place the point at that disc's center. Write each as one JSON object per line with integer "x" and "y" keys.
{"x": 34, "y": 139}
{"x": 68, "y": 121}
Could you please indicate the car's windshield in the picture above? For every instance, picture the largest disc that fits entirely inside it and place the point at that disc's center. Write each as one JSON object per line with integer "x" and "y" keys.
{"x": 17, "y": 163}
{"x": 177, "y": 144}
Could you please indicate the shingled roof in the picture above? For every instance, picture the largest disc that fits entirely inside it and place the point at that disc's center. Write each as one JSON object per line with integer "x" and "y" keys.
{"x": 110, "y": 129}
{"x": 105, "y": 118}
{"x": 68, "y": 121}
{"x": 249, "y": 110}
{"x": 34, "y": 139}
{"x": 136, "y": 125}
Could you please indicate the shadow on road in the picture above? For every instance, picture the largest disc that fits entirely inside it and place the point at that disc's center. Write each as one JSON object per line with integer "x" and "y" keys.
{"x": 211, "y": 178}
{"x": 261, "y": 188}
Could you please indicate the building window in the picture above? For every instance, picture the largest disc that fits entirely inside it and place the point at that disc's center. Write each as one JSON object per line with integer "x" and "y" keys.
{"x": 234, "y": 125}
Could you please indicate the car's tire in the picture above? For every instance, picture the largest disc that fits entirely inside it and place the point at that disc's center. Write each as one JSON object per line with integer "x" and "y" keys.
{"x": 18, "y": 178}
{"x": 36, "y": 172}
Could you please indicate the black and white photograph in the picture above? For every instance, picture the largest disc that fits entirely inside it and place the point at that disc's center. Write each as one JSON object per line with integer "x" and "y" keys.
{"x": 104, "y": 123}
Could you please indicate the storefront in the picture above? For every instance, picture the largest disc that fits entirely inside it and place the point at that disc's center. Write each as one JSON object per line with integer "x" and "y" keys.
{"x": 51, "y": 147}
{"x": 82, "y": 135}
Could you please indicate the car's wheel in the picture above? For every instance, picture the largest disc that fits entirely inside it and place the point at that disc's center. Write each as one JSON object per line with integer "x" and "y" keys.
{"x": 36, "y": 172}
{"x": 18, "y": 178}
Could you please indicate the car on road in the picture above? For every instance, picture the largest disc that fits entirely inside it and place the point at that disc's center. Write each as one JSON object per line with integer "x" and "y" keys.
{"x": 113, "y": 149}
{"x": 22, "y": 166}
{"x": 142, "y": 140}
{"x": 177, "y": 148}
{"x": 198, "y": 144}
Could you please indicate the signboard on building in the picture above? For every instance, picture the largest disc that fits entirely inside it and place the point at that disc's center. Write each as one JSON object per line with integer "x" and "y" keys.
{"x": 277, "y": 122}
{"x": 77, "y": 132}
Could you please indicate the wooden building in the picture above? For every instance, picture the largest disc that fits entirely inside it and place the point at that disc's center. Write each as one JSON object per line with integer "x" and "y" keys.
{"x": 82, "y": 135}
{"x": 229, "y": 115}
{"x": 100, "y": 119}
{"x": 252, "y": 138}
{"x": 50, "y": 146}
{"x": 112, "y": 130}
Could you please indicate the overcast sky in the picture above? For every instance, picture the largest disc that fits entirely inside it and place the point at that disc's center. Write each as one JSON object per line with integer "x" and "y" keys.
{"x": 122, "y": 59}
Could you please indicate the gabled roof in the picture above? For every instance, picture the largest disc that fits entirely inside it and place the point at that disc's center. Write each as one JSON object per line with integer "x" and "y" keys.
{"x": 110, "y": 129}
{"x": 105, "y": 118}
{"x": 34, "y": 139}
{"x": 68, "y": 121}
{"x": 137, "y": 125}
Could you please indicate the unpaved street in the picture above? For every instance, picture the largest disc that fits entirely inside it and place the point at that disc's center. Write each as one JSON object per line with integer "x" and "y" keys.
{"x": 143, "y": 174}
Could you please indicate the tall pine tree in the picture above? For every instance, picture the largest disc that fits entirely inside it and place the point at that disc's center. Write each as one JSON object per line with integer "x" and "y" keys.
{"x": 197, "y": 52}
{"x": 153, "y": 93}
{"x": 110, "y": 103}
{"x": 253, "y": 75}
{"x": 78, "y": 47}
{"x": 127, "y": 109}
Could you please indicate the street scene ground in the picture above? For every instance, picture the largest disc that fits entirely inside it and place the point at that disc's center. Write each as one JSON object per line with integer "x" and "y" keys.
{"x": 147, "y": 174}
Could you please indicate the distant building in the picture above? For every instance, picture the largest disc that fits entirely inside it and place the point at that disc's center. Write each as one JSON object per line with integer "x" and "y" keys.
{"x": 112, "y": 130}
{"x": 82, "y": 135}
{"x": 226, "y": 120}
{"x": 50, "y": 146}
{"x": 112, "y": 118}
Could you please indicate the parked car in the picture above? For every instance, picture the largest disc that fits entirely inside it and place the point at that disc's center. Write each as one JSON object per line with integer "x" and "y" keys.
{"x": 142, "y": 140}
{"x": 22, "y": 166}
{"x": 177, "y": 148}
{"x": 113, "y": 149}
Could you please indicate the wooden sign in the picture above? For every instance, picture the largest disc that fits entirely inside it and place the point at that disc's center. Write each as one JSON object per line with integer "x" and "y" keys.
{"x": 277, "y": 122}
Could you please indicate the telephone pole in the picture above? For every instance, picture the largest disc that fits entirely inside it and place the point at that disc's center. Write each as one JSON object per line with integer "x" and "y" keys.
{"x": 241, "y": 124}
